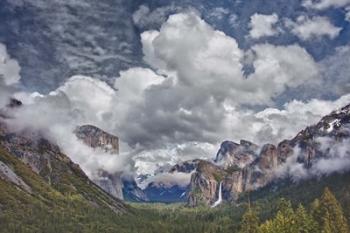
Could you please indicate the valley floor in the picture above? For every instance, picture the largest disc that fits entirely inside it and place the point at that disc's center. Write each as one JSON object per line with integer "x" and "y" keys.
{"x": 142, "y": 218}
{"x": 279, "y": 215}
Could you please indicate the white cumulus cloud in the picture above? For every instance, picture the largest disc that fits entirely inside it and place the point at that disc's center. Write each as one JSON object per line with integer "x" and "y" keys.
{"x": 193, "y": 96}
{"x": 263, "y": 25}
{"x": 324, "y": 4}
{"x": 313, "y": 28}
{"x": 9, "y": 68}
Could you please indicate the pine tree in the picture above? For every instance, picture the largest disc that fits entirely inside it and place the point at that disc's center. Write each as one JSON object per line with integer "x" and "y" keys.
{"x": 304, "y": 221}
{"x": 326, "y": 226}
{"x": 332, "y": 212}
{"x": 267, "y": 227}
{"x": 285, "y": 218}
{"x": 250, "y": 222}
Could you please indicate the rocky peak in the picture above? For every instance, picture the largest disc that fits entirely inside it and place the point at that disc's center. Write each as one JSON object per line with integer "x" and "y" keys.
{"x": 234, "y": 154}
{"x": 247, "y": 145}
{"x": 268, "y": 158}
{"x": 116, "y": 184}
{"x": 185, "y": 167}
{"x": 284, "y": 150}
{"x": 205, "y": 183}
{"x": 241, "y": 170}
{"x": 97, "y": 138}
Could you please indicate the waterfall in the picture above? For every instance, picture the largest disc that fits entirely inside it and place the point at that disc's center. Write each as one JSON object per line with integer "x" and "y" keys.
{"x": 219, "y": 200}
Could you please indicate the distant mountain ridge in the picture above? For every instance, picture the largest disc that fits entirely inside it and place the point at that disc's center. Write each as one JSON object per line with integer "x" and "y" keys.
{"x": 244, "y": 167}
{"x": 239, "y": 167}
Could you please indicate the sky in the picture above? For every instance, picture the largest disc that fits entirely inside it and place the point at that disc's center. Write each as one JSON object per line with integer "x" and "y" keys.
{"x": 173, "y": 79}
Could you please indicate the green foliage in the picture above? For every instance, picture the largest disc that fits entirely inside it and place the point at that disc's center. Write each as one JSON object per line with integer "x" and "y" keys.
{"x": 218, "y": 177}
{"x": 325, "y": 216}
{"x": 233, "y": 168}
{"x": 73, "y": 204}
{"x": 284, "y": 221}
{"x": 250, "y": 222}
{"x": 304, "y": 220}
{"x": 332, "y": 217}
{"x": 326, "y": 225}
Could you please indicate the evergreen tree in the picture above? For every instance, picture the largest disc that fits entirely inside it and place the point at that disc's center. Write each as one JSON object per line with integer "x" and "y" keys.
{"x": 285, "y": 219}
{"x": 250, "y": 222}
{"x": 304, "y": 221}
{"x": 332, "y": 212}
{"x": 285, "y": 208}
{"x": 326, "y": 226}
{"x": 266, "y": 227}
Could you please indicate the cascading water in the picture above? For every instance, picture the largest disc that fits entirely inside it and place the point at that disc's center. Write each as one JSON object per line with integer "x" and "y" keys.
{"x": 219, "y": 200}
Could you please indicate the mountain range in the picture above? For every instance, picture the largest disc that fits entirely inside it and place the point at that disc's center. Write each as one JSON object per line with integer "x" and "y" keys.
{"x": 238, "y": 168}
{"x": 318, "y": 150}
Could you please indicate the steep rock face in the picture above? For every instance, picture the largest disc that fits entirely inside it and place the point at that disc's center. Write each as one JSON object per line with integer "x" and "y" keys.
{"x": 205, "y": 183}
{"x": 114, "y": 183}
{"x": 234, "y": 154}
{"x": 335, "y": 127}
{"x": 284, "y": 150}
{"x": 111, "y": 183}
{"x": 241, "y": 170}
{"x": 233, "y": 185}
{"x": 268, "y": 158}
{"x": 97, "y": 138}
{"x": 28, "y": 152}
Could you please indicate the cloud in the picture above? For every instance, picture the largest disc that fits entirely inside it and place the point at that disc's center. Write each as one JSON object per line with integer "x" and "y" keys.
{"x": 263, "y": 25}
{"x": 132, "y": 83}
{"x": 9, "y": 76}
{"x": 332, "y": 79}
{"x": 150, "y": 160}
{"x": 324, "y": 4}
{"x": 336, "y": 160}
{"x": 278, "y": 67}
{"x": 198, "y": 56}
{"x": 169, "y": 179}
{"x": 219, "y": 13}
{"x": 90, "y": 96}
{"x": 193, "y": 96}
{"x": 204, "y": 86}
{"x": 145, "y": 18}
{"x": 335, "y": 71}
{"x": 233, "y": 20}
{"x": 276, "y": 124}
{"x": 81, "y": 100}
{"x": 5, "y": 94}
{"x": 338, "y": 156}
{"x": 9, "y": 68}
{"x": 313, "y": 28}
{"x": 347, "y": 14}
{"x": 90, "y": 160}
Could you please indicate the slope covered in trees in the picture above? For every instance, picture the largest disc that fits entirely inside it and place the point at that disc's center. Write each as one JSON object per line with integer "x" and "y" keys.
{"x": 322, "y": 215}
